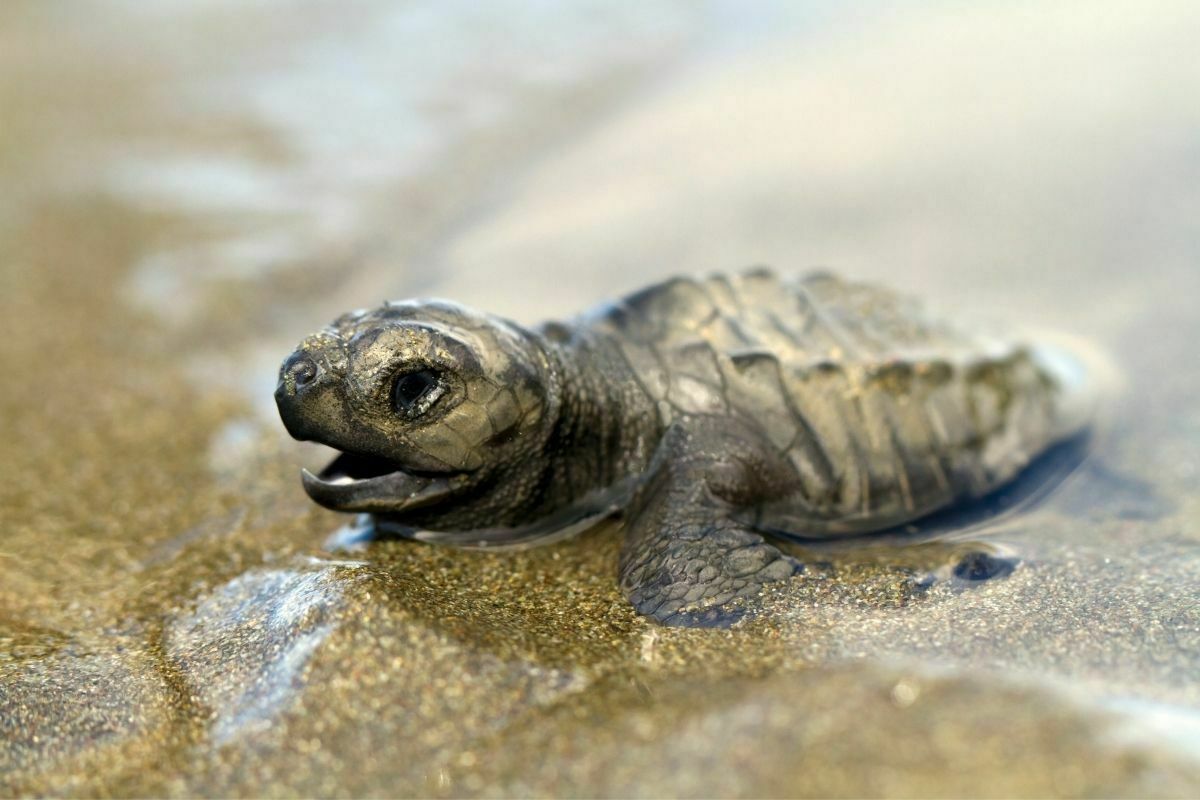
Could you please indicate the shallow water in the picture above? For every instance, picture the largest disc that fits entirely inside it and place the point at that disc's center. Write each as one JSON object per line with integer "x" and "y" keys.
{"x": 186, "y": 194}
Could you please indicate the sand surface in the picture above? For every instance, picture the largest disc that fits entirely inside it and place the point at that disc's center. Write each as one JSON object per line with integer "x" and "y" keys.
{"x": 185, "y": 194}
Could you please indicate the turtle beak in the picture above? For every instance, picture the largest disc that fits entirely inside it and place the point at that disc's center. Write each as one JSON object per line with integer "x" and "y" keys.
{"x": 362, "y": 483}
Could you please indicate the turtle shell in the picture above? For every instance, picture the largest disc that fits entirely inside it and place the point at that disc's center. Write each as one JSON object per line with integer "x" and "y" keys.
{"x": 885, "y": 412}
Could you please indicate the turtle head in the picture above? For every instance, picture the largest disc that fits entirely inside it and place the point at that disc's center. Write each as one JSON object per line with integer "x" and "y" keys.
{"x": 427, "y": 400}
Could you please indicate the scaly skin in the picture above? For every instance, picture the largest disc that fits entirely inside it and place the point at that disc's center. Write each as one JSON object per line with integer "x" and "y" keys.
{"x": 714, "y": 411}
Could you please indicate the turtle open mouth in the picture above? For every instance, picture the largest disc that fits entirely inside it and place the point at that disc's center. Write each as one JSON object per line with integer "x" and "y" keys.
{"x": 368, "y": 483}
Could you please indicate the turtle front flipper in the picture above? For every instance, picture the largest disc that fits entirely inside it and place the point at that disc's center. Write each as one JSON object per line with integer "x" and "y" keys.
{"x": 686, "y": 557}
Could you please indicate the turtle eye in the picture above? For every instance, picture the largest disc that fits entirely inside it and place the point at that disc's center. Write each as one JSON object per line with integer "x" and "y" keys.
{"x": 414, "y": 392}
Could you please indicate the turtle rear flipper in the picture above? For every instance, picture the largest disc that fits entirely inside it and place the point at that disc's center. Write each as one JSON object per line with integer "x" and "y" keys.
{"x": 687, "y": 560}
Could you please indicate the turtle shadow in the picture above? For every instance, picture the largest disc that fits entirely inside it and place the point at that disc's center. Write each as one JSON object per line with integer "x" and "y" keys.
{"x": 964, "y": 546}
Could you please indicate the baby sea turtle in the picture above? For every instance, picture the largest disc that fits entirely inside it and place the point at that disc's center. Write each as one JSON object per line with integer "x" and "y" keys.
{"x": 715, "y": 413}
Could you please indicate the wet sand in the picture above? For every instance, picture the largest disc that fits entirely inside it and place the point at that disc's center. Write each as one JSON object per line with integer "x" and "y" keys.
{"x": 186, "y": 195}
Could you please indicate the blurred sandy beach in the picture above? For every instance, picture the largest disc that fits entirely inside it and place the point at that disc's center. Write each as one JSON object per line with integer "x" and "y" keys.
{"x": 187, "y": 189}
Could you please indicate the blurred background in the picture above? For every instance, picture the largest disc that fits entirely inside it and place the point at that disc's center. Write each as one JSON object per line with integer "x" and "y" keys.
{"x": 188, "y": 188}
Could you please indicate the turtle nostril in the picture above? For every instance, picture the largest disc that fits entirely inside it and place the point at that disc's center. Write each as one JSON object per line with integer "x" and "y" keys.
{"x": 303, "y": 371}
